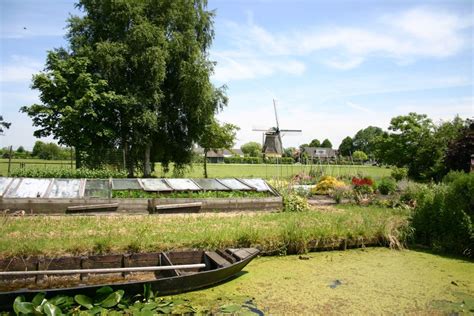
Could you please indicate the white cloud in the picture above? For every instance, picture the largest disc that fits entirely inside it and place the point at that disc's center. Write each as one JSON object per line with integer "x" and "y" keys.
{"x": 250, "y": 68}
{"x": 345, "y": 64}
{"x": 20, "y": 69}
{"x": 404, "y": 37}
{"x": 359, "y": 107}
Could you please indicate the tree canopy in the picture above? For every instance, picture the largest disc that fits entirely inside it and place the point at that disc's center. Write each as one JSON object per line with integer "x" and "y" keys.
{"x": 346, "y": 147}
{"x": 326, "y": 144}
{"x": 460, "y": 149}
{"x": 215, "y": 137}
{"x": 418, "y": 144}
{"x": 365, "y": 139}
{"x": 314, "y": 143}
{"x": 251, "y": 149}
{"x": 135, "y": 77}
{"x": 3, "y": 125}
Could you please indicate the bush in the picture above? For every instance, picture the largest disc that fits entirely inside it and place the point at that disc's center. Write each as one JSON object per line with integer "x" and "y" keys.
{"x": 452, "y": 175}
{"x": 68, "y": 173}
{"x": 387, "y": 186}
{"x": 399, "y": 173}
{"x": 443, "y": 216}
{"x": 326, "y": 185}
{"x": 359, "y": 155}
{"x": 414, "y": 193}
{"x": 364, "y": 185}
{"x": 292, "y": 202}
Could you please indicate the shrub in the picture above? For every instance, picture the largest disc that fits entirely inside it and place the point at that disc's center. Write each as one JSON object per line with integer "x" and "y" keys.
{"x": 387, "y": 186}
{"x": 68, "y": 173}
{"x": 414, "y": 193}
{"x": 294, "y": 203}
{"x": 359, "y": 155}
{"x": 364, "y": 185}
{"x": 443, "y": 216}
{"x": 326, "y": 185}
{"x": 452, "y": 175}
{"x": 399, "y": 173}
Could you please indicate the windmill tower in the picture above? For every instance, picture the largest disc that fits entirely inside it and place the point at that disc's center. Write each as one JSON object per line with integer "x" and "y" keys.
{"x": 272, "y": 144}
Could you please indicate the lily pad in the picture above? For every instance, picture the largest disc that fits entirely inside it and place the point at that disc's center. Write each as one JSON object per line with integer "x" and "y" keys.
{"x": 84, "y": 300}
{"x": 112, "y": 300}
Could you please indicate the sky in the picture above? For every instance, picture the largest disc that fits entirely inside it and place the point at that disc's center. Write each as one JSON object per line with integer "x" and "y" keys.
{"x": 333, "y": 67}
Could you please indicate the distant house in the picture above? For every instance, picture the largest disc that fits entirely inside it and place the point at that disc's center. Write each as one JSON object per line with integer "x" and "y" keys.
{"x": 319, "y": 153}
{"x": 233, "y": 152}
{"x": 217, "y": 156}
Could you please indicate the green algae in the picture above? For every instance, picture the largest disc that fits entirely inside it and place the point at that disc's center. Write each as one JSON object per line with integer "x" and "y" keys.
{"x": 369, "y": 281}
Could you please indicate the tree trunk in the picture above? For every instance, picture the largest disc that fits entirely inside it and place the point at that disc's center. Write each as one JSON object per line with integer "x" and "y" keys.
{"x": 78, "y": 158}
{"x": 146, "y": 163}
{"x": 128, "y": 159}
{"x": 205, "y": 163}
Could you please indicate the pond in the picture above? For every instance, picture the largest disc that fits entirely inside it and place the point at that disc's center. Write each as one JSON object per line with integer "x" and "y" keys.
{"x": 360, "y": 281}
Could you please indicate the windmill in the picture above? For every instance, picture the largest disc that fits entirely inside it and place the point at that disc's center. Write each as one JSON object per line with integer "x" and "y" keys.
{"x": 272, "y": 145}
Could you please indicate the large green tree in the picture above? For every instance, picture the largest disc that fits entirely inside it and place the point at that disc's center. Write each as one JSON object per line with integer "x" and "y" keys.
{"x": 346, "y": 147}
{"x": 365, "y": 139}
{"x": 326, "y": 144}
{"x": 315, "y": 143}
{"x": 417, "y": 143}
{"x": 460, "y": 149}
{"x": 215, "y": 137}
{"x": 251, "y": 149}
{"x": 135, "y": 77}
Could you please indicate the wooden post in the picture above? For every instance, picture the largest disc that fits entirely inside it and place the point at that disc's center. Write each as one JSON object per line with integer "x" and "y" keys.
{"x": 71, "y": 159}
{"x": 10, "y": 161}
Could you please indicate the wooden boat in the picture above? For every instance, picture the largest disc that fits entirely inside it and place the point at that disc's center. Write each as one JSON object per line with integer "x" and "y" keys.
{"x": 166, "y": 272}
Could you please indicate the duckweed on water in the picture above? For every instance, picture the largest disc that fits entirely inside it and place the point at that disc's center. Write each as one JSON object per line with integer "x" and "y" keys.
{"x": 372, "y": 281}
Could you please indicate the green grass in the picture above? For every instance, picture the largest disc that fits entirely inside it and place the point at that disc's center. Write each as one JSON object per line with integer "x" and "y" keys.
{"x": 275, "y": 171}
{"x": 277, "y": 233}
{"x": 32, "y": 163}
{"x": 268, "y": 171}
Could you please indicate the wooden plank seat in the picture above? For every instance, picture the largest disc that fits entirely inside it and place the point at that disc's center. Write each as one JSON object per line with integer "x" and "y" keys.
{"x": 193, "y": 207}
{"x": 217, "y": 259}
{"x": 105, "y": 207}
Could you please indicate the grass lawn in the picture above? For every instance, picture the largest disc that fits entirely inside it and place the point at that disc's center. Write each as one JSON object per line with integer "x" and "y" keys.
{"x": 276, "y": 233}
{"x": 32, "y": 163}
{"x": 267, "y": 171}
{"x": 270, "y": 171}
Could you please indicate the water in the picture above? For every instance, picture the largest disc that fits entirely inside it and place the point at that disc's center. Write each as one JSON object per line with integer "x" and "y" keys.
{"x": 361, "y": 281}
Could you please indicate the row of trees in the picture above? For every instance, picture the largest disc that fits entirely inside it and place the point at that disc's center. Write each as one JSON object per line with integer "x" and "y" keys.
{"x": 41, "y": 150}
{"x": 134, "y": 79}
{"x": 316, "y": 143}
{"x": 414, "y": 141}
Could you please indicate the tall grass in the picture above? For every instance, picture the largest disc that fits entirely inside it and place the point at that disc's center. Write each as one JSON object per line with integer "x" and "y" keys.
{"x": 276, "y": 233}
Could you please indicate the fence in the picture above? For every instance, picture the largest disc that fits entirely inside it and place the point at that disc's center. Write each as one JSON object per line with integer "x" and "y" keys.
{"x": 8, "y": 166}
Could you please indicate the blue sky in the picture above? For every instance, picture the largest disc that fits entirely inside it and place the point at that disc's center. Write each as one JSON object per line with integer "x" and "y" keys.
{"x": 334, "y": 67}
